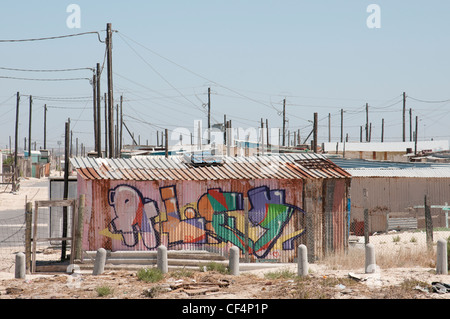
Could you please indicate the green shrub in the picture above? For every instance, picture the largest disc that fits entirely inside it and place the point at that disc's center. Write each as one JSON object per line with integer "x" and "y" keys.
{"x": 214, "y": 266}
{"x": 150, "y": 274}
{"x": 103, "y": 291}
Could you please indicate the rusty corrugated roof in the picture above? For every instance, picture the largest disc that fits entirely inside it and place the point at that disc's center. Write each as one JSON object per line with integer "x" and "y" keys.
{"x": 282, "y": 166}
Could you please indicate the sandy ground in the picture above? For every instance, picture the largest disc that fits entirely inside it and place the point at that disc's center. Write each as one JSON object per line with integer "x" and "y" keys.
{"x": 323, "y": 281}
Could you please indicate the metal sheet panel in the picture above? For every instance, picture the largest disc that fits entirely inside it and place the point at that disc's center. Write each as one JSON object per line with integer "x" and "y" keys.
{"x": 207, "y": 215}
{"x": 292, "y": 166}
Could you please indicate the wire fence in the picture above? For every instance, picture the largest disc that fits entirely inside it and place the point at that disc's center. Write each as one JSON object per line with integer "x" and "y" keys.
{"x": 13, "y": 236}
{"x": 406, "y": 245}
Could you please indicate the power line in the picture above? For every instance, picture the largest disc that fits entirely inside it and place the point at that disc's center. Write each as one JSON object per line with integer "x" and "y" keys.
{"x": 428, "y": 101}
{"x": 54, "y": 37}
{"x": 36, "y": 79}
{"x": 50, "y": 70}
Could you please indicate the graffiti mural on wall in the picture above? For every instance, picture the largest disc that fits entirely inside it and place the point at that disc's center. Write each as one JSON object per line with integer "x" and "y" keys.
{"x": 216, "y": 218}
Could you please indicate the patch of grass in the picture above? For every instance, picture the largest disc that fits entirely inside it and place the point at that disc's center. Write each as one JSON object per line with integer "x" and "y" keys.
{"x": 320, "y": 288}
{"x": 104, "y": 291}
{"x": 413, "y": 240}
{"x": 150, "y": 274}
{"x": 281, "y": 274}
{"x": 218, "y": 267}
{"x": 396, "y": 239}
{"x": 181, "y": 273}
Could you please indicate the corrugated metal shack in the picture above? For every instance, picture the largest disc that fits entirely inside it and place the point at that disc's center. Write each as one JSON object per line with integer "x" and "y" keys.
{"x": 143, "y": 202}
{"x": 395, "y": 193}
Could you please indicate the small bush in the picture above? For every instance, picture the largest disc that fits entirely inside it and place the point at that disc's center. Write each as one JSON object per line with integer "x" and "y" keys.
{"x": 150, "y": 274}
{"x": 396, "y": 239}
{"x": 103, "y": 291}
{"x": 281, "y": 274}
{"x": 182, "y": 273}
{"x": 218, "y": 267}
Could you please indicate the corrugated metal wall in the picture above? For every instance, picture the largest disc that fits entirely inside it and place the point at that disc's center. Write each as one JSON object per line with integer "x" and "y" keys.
{"x": 397, "y": 196}
{"x": 210, "y": 215}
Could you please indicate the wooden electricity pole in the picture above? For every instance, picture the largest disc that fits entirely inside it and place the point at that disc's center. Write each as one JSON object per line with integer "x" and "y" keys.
{"x": 284, "y": 122}
{"x": 410, "y": 125}
{"x": 209, "y": 116}
{"x": 315, "y": 132}
{"x": 404, "y": 121}
{"x": 110, "y": 90}
{"x": 367, "y": 122}
{"x": 29, "y": 127}
{"x": 94, "y": 107}
{"x": 16, "y": 143}
{"x": 99, "y": 128}
{"x": 329, "y": 127}
{"x": 106, "y": 125}
{"x": 121, "y": 124}
{"x": 66, "y": 189}
{"x": 45, "y": 126}
{"x": 342, "y": 125}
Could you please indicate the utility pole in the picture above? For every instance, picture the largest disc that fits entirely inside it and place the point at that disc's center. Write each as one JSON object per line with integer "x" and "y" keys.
{"x": 99, "y": 129}
{"x": 367, "y": 122}
{"x": 410, "y": 125}
{"x": 121, "y": 124}
{"x": 382, "y": 130}
{"x": 66, "y": 190}
{"x": 166, "y": 142}
{"x": 342, "y": 125}
{"x": 110, "y": 89}
{"x": 45, "y": 126}
{"x": 262, "y": 136}
{"x": 267, "y": 131}
{"x": 404, "y": 110}
{"x": 209, "y": 116}
{"x": 415, "y": 138}
{"x": 16, "y": 143}
{"x": 29, "y": 127}
{"x": 315, "y": 133}
{"x": 106, "y": 125}
{"x": 284, "y": 122}
{"x": 329, "y": 127}
{"x": 224, "y": 129}
{"x": 94, "y": 106}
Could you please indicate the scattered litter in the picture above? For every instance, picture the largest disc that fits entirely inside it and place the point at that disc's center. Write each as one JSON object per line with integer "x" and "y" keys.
{"x": 340, "y": 286}
{"x": 356, "y": 277}
{"x": 425, "y": 290}
{"x": 440, "y": 287}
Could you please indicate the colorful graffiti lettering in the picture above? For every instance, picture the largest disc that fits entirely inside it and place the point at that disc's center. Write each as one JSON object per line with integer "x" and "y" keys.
{"x": 128, "y": 201}
{"x": 217, "y": 218}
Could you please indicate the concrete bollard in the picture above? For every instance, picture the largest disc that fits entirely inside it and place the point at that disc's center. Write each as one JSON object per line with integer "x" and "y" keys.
{"x": 20, "y": 266}
{"x": 100, "y": 261}
{"x": 441, "y": 255}
{"x": 234, "y": 261}
{"x": 371, "y": 265}
{"x": 302, "y": 260}
{"x": 161, "y": 261}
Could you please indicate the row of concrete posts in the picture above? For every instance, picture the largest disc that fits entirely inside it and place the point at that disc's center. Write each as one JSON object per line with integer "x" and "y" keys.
{"x": 233, "y": 264}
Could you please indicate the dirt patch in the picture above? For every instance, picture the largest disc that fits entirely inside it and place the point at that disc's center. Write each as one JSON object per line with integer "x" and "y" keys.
{"x": 268, "y": 284}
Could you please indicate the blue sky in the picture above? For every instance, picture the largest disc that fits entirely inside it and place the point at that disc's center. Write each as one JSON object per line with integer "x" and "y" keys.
{"x": 319, "y": 55}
